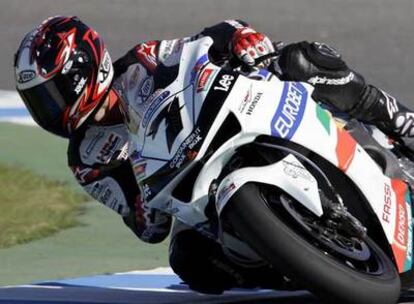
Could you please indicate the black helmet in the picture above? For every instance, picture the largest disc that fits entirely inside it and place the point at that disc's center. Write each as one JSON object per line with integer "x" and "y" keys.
{"x": 63, "y": 73}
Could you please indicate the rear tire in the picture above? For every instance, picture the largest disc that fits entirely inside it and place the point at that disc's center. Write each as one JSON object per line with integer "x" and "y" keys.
{"x": 259, "y": 226}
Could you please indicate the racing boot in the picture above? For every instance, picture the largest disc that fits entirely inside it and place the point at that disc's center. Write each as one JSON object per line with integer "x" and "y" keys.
{"x": 388, "y": 114}
{"x": 385, "y": 111}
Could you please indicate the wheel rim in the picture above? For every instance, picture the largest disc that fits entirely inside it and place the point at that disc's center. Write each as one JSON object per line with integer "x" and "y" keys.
{"x": 355, "y": 254}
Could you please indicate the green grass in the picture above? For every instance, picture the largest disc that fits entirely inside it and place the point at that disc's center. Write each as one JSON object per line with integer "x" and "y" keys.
{"x": 36, "y": 150}
{"x": 100, "y": 244}
{"x": 32, "y": 207}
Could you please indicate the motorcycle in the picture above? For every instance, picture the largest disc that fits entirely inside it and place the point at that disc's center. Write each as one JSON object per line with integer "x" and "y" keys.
{"x": 275, "y": 178}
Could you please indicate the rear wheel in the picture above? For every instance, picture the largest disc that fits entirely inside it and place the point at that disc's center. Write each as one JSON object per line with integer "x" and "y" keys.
{"x": 335, "y": 267}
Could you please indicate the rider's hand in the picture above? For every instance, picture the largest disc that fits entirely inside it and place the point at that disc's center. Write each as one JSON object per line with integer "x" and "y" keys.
{"x": 248, "y": 45}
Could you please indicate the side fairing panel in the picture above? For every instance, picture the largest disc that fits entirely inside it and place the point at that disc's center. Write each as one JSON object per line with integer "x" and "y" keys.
{"x": 293, "y": 115}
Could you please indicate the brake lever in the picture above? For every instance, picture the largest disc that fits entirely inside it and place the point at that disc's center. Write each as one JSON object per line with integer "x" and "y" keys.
{"x": 248, "y": 68}
{"x": 271, "y": 55}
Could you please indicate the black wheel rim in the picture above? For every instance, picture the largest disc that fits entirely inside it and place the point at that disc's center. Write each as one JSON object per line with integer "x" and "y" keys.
{"x": 356, "y": 254}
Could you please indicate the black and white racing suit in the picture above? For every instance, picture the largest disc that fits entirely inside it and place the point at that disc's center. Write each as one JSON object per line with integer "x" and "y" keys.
{"x": 99, "y": 155}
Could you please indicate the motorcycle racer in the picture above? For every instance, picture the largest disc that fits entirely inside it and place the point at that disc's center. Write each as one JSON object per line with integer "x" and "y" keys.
{"x": 66, "y": 78}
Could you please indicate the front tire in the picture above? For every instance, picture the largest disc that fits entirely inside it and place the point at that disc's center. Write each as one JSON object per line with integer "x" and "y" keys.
{"x": 268, "y": 234}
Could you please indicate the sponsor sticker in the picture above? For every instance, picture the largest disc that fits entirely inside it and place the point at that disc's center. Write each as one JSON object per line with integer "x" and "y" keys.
{"x": 108, "y": 192}
{"x": 391, "y": 102}
{"x": 139, "y": 165}
{"x": 80, "y": 85}
{"x": 296, "y": 170}
{"x": 198, "y": 66}
{"x": 89, "y": 149}
{"x": 109, "y": 147}
{"x": 205, "y": 79}
{"x": 156, "y": 102}
{"x": 146, "y": 88}
{"x": 332, "y": 81}
{"x": 96, "y": 190}
{"x": 105, "y": 67}
{"x": 224, "y": 83}
{"x": 166, "y": 48}
{"x": 401, "y": 232}
{"x": 185, "y": 150}
{"x": 254, "y": 102}
{"x": 386, "y": 209}
{"x": 246, "y": 100}
{"x": 289, "y": 112}
{"x": 26, "y": 76}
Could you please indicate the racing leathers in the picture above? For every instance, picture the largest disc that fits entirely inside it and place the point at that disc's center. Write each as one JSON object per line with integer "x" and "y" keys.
{"x": 100, "y": 154}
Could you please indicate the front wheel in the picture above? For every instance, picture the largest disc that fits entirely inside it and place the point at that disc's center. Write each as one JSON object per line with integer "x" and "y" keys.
{"x": 334, "y": 272}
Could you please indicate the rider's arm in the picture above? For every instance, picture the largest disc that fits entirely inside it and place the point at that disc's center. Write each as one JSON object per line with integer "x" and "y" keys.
{"x": 222, "y": 35}
{"x": 151, "y": 53}
{"x": 236, "y": 37}
{"x": 145, "y": 53}
{"x": 113, "y": 184}
{"x": 229, "y": 37}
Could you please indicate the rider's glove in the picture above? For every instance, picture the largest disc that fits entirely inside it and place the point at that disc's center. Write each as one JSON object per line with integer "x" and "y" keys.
{"x": 247, "y": 45}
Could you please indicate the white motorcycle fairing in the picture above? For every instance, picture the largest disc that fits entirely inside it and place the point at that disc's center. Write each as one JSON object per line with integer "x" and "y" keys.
{"x": 179, "y": 147}
{"x": 288, "y": 174}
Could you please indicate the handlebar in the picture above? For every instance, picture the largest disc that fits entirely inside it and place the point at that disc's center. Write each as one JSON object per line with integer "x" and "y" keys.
{"x": 266, "y": 57}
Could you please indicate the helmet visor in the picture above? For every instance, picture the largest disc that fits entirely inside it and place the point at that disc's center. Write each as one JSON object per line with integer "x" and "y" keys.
{"x": 47, "y": 103}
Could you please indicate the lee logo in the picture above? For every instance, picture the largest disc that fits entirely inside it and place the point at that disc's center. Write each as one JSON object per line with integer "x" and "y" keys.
{"x": 224, "y": 83}
{"x": 289, "y": 112}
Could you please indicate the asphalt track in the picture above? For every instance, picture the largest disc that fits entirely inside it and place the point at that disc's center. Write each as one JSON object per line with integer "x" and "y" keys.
{"x": 376, "y": 37}
{"x": 144, "y": 287}
{"x": 149, "y": 287}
